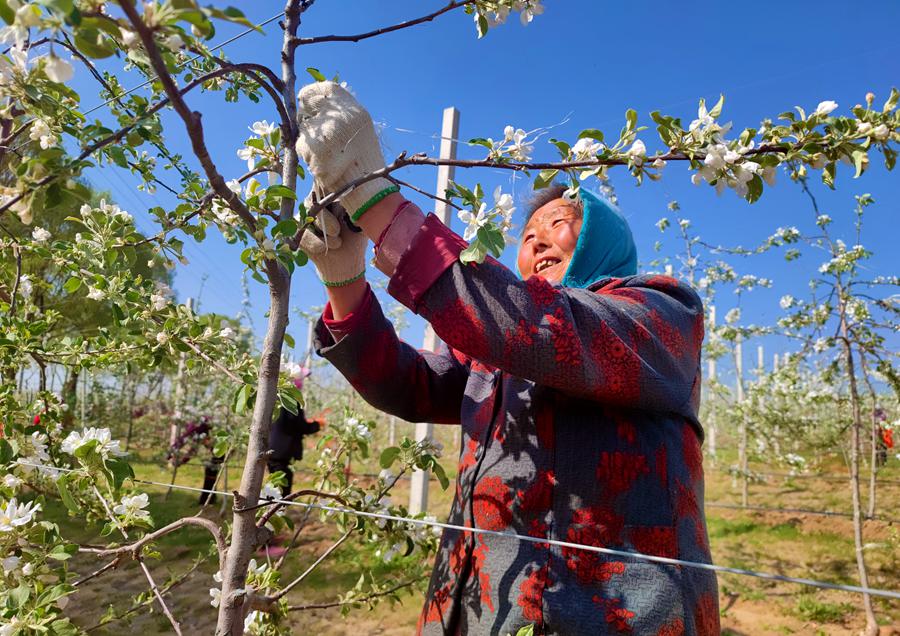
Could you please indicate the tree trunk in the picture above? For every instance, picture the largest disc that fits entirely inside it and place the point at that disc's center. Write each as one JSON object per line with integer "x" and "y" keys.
{"x": 70, "y": 396}
{"x": 245, "y": 536}
{"x": 855, "y": 431}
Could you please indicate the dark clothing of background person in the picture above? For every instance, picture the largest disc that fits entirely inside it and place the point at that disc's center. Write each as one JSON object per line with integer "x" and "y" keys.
{"x": 286, "y": 442}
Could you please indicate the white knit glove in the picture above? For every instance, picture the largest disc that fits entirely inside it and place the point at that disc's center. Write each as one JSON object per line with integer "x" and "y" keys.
{"x": 336, "y": 139}
{"x": 336, "y": 249}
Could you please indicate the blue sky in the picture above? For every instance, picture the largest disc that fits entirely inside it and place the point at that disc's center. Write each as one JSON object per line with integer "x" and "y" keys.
{"x": 582, "y": 63}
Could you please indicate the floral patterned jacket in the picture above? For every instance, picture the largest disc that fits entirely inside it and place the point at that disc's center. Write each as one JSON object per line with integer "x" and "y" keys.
{"x": 579, "y": 423}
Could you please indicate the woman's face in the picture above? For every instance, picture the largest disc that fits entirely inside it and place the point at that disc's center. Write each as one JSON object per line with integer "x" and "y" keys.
{"x": 549, "y": 240}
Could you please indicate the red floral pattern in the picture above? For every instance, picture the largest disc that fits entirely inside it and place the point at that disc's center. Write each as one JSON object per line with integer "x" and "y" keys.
{"x": 669, "y": 335}
{"x": 675, "y": 628}
{"x": 459, "y": 326}
{"x": 568, "y": 348}
{"x": 492, "y": 503}
{"x": 540, "y": 291}
{"x": 598, "y": 527}
{"x": 531, "y": 599}
{"x": 619, "y": 366}
{"x": 539, "y": 495}
{"x": 706, "y": 616}
{"x": 656, "y": 540}
{"x": 479, "y": 560}
{"x": 618, "y": 471}
{"x": 617, "y": 617}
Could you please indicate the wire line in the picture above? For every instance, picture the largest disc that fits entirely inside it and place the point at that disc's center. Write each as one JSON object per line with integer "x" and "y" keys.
{"x": 512, "y": 535}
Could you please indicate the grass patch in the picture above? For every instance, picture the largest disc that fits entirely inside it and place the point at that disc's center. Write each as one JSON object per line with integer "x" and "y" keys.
{"x": 719, "y": 527}
{"x": 811, "y": 609}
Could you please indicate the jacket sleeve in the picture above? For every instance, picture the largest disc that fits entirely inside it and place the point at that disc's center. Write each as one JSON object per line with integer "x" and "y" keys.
{"x": 392, "y": 376}
{"x": 634, "y": 341}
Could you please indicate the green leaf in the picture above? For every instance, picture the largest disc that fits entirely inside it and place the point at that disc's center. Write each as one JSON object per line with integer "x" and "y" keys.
{"x": 717, "y": 109}
{"x": 62, "y": 484}
{"x": 118, "y": 156}
{"x": 475, "y": 253}
{"x": 591, "y": 133}
{"x": 388, "y": 456}
{"x": 72, "y": 285}
{"x": 561, "y": 146}
{"x": 63, "y": 6}
{"x": 859, "y": 158}
{"x": 6, "y": 452}
{"x": 120, "y": 471}
{"x": 316, "y": 74}
{"x": 93, "y": 44}
{"x": 545, "y": 178}
{"x": 281, "y": 191}
{"x": 528, "y": 630}
{"x": 8, "y": 15}
{"x": 754, "y": 189}
{"x": 438, "y": 471}
{"x": 828, "y": 174}
{"x": 891, "y": 102}
{"x": 301, "y": 258}
{"x": 241, "y": 398}
{"x": 286, "y": 228}
{"x": 480, "y": 141}
{"x": 630, "y": 118}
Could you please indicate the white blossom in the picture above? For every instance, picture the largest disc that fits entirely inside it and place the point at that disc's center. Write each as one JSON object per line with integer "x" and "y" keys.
{"x": 25, "y": 285}
{"x": 158, "y": 301}
{"x": 733, "y": 315}
{"x": 173, "y": 42}
{"x": 129, "y": 38}
{"x": 216, "y": 595}
{"x": 262, "y": 128}
{"x": 40, "y": 132}
{"x": 11, "y": 481}
{"x": 10, "y": 564}
{"x": 637, "y": 152}
{"x": 106, "y": 445}
{"x": 825, "y": 108}
{"x": 248, "y": 155}
{"x": 786, "y": 301}
{"x": 586, "y": 148}
{"x": 881, "y": 132}
{"x": 473, "y": 221}
{"x": 95, "y": 294}
{"x": 133, "y": 507}
{"x": 15, "y": 515}
{"x": 57, "y": 69}
{"x": 529, "y": 9}
{"x": 227, "y": 332}
{"x": 162, "y": 337}
{"x": 269, "y": 492}
{"x": 40, "y": 235}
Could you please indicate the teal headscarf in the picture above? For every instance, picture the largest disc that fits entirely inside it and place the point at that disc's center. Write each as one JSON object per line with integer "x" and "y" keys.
{"x": 605, "y": 247}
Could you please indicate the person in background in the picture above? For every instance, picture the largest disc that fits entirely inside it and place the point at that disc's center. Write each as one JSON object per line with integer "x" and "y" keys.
{"x": 286, "y": 438}
{"x": 576, "y": 383}
{"x": 197, "y": 436}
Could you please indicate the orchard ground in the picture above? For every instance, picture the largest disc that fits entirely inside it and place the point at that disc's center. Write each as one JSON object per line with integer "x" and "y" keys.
{"x": 792, "y": 544}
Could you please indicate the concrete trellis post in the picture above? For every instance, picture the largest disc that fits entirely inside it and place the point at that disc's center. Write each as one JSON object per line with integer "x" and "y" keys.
{"x": 418, "y": 493}
{"x": 179, "y": 391}
{"x": 742, "y": 424}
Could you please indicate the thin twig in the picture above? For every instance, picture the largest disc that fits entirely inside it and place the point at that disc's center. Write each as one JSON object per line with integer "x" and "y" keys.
{"x": 112, "y": 564}
{"x": 383, "y": 30}
{"x": 364, "y": 599}
{"x": 162, "y": 602}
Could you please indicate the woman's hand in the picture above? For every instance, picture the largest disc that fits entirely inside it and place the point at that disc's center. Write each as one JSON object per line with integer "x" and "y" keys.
{"x": 337, "y": 140}
{"x": 335, "y": 246}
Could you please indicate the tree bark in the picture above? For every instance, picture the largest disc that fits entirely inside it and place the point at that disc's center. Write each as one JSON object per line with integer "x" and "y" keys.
{"x": 70, "y": 396}
{"x": 245, "y": 535}
{"x": 855, "y": 431}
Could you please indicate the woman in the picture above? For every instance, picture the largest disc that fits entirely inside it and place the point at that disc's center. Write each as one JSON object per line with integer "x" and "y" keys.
{"x": 576, "y": 385}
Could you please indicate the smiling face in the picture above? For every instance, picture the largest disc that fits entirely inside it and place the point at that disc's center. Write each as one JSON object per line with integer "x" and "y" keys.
{"x": 549, "y": 240}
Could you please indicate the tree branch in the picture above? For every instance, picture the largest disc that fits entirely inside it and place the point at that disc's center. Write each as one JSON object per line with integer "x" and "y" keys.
{"x": 371, "y": 34}
{"x": 135, "y": 548}
{"x": 111, "y": 138}
{"x": 192, "y": 119}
